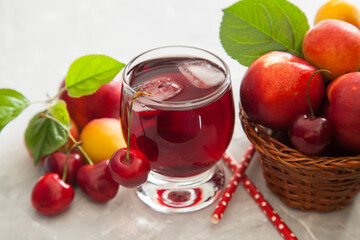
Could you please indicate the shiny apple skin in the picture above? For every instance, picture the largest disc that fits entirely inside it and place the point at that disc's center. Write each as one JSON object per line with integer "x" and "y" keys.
{"x": 342, "y": 108}
{"x": 273, "y": 89}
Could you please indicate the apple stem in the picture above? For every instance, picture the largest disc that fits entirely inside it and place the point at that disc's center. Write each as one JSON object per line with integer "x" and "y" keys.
{"x": 312, "y": 115}
{"x": 135, "y": 96}
{"x": 76, "y": 143}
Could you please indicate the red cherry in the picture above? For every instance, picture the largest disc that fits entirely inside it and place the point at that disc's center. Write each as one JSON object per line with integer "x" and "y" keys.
{"x": 96, "y": 182}
{"x": 307, "y": 133}
{"x": 310, "y": 135}
{"x": 130, "y": 172}
{"x": 55, "y": 163}
{"x": 51, "y": 195}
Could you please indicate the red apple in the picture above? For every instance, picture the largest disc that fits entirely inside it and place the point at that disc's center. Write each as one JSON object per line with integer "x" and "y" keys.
{"x": 104, "y": 103}
{"x": 342, "y": 108}
{"x": 273, "y": 90}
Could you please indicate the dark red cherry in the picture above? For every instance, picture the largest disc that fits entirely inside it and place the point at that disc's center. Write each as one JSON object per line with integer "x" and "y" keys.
{"x": 310, "y": 135}
{"x": 51, "y": 195}
{"x": 96, "y": 182}
{"x": 55, "y": 163}
{"x": 131, "y": 172}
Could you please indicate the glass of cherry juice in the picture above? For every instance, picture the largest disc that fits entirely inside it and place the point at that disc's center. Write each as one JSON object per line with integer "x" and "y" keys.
{"x": 183, "y": 128}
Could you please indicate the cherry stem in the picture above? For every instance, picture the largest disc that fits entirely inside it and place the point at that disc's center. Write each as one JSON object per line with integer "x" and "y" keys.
{"x": 76, "y": 143}
{"x": 88, "y": 159}
{"x": 67, "y": 157}
{"x": 65, "y": 166}
{"x": 312, "y": 115}
{"x": 135, "y": 96}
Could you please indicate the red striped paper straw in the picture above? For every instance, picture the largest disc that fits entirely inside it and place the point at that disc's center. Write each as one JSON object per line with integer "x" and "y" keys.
{"x": 284, "y": 230}
{"x": 239, "y": 170}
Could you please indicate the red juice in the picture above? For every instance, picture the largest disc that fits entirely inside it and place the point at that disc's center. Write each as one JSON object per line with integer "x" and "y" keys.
{"x": 190, "y": 138}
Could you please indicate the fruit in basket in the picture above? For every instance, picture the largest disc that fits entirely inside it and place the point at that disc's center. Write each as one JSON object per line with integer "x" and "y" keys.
{"x": 101, "y": 138}
{"x": 273, "y": 90}
{"x": 51, "y": 195}
{"x": 333, "y": 45}
{"x": 309, "y": 134}
{"x": 345, "y": 10}
{"x": 342, "y": 108}
{"x": 104, "y": 103}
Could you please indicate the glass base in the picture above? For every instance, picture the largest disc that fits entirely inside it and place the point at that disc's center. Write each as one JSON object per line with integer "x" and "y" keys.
{"x": 179, "y": 195}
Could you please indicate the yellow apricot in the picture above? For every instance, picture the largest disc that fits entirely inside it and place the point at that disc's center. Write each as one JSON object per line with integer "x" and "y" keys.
{"x": 101, "y": 138}
{"x": 344, "y": 10}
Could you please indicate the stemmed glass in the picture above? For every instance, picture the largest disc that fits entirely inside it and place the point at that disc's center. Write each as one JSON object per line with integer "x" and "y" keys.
{"x": 183, "y": 128}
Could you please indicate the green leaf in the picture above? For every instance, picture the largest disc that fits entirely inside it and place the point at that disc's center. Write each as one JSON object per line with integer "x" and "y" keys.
{"x": 86, "y": 74}
{"x": 251, "y": 28}
{"x": 44, "y": 136}
{"x": 59, "y": 112}
{"x": 12, "y": 103}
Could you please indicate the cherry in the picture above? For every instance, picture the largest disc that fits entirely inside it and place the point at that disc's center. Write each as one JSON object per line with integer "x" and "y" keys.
{"x": 96, "y": 182}
{"x": 131, "y": 172}
{"x": 55, "y": 162}
{"x": 51, "y": 195}
{"x": 309, "y": 134}
{"x": 130, "y": 168}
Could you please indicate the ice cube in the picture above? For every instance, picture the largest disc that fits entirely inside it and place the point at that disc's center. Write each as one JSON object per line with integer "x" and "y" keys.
{"x": 162, "y": 87}
{"x": 201, "y": 73}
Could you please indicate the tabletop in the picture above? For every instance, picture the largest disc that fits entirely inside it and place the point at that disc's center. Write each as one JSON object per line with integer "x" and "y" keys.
{"x": 39, "y": 39}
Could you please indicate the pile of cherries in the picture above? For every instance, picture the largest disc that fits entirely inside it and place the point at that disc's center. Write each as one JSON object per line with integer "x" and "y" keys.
{"x": 100, "y": 181}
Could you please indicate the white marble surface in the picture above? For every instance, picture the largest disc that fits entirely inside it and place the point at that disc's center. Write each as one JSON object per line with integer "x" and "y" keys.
{"x": 38, "y": 41}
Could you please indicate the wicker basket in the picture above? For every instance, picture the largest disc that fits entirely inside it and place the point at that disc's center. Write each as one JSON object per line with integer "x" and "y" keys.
{"x": 310, "y": 183}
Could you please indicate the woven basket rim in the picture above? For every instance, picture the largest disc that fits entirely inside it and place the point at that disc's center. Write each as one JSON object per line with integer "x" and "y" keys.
{"x": 265, "y": 144}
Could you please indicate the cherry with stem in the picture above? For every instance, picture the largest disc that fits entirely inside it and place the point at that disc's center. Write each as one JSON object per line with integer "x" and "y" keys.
{"x": 51, "y": 195}
{"x": 309, "y": 134}
{"x": 94, "y": 179}
{"x": 129, "y": 167}
{"x": 55, "y": 162}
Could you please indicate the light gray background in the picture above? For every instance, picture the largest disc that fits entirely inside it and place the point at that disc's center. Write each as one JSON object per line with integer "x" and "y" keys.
{"x": 39, "y": 39}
